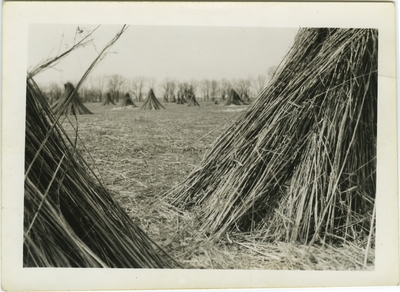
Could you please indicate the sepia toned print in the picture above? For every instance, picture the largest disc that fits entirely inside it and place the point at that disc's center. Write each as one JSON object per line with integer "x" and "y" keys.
{"x": 198, "y": 145}
{"x": 285, "y": 183}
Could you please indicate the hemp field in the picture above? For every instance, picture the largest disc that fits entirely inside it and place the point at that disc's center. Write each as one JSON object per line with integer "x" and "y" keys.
{"x": 139, "y": 155}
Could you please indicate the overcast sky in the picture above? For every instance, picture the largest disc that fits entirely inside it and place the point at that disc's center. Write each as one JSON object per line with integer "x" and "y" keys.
{"x": 181, "y": 52}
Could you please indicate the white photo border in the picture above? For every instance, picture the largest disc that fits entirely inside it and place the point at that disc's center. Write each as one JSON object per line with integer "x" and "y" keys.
{"x": 17, "y": 16}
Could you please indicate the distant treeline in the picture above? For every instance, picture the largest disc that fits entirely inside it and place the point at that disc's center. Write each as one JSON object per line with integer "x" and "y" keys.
{"x": 96, "y": 88}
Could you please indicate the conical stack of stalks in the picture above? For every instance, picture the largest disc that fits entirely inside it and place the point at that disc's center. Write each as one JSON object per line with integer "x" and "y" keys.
{"x": 300, "y": 163}
{"x": 127, "y": 101}
{"x": 180, "y": 98}
{"x": 70, "y": 219}
{"x": 152, "y": 102}
{"x": 108, "y": 99}
{"x": 192, "y": 99}
{"x": 234, "y": 98}
{"x": 75, "y": 105}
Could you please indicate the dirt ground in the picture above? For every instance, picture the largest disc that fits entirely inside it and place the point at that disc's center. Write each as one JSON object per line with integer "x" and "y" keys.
{"x": 139, "y": 155}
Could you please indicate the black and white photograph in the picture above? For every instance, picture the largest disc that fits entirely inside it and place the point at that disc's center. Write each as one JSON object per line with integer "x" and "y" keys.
{"x": 202, "y": 146}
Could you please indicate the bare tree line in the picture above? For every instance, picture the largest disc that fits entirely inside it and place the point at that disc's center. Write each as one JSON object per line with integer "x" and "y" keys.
{"x": 96, "y": 88}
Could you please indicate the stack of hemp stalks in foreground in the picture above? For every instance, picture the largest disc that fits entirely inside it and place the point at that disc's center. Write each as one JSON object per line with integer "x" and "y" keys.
{"x": 70, "y": 219}
{"x": 299, "y": 165}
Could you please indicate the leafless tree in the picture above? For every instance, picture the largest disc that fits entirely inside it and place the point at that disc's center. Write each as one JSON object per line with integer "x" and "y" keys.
{"x": 186, "y": 90}
{"x": 84, "y": 92}
{"x": 242, "y": 86}
{"x": 205, "y": 87}
{"x": 115, "y": 83}
{"x": 225, "y": 86}
{"x": 99, "y": 83}
{"x": 193, "y": 85}
{"x": 214, "y": 89}
{"x": 172, "y": 86}
{"x": 93, "y": 88}
{"x": 165, "y": 88}
{"x": 168, "y": 87}
{"x": 135, "y": 87}
{"x": 54, "y": 92}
